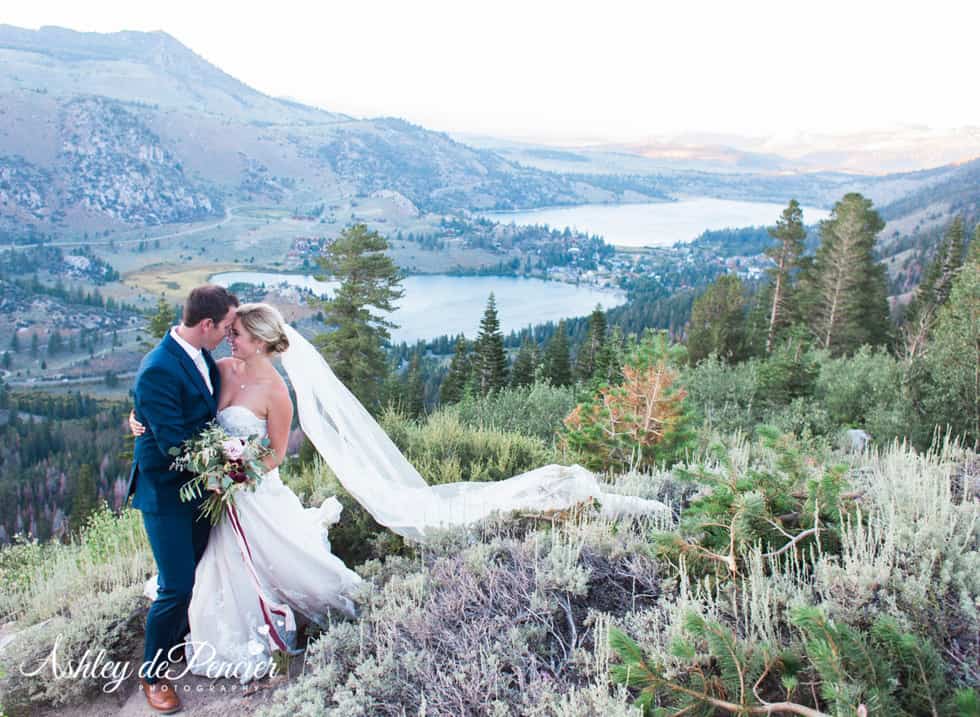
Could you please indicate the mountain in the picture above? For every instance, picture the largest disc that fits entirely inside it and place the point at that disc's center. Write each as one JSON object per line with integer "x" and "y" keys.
{"x": 131, "y": 128}
{"x": 897, "y": 150}
{"x": 110, "y": 131}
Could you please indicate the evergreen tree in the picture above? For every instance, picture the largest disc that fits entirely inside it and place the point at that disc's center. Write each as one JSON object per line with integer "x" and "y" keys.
{"x": 451, "y": 390}
{"x": 609, "y": 362}
{"x": 948, "y": 393}
{"x": 85, "y": 498}
{"x": 588, "y": 352}
{"x": 15, "y": 342}
{"x": 414, "y": 397}
{"x": 7, "y": 361}
{"x": 491, "y": 361}
{"x": 934, "y": 289}
{"x": 845, "y": 285}
{"x": 757, "y": 317}
{"x": 522, "y": 373}
{"x": 162, "y": 319}
{"x": 717, "y": 320}
{"x": 55, "y": 344}
{"x": 790, "y": 235}
{"x": 368, "y": 279}
{"x": 556, "y": 364}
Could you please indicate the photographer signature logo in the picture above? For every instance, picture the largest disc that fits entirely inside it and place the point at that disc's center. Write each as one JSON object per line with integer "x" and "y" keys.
{"x": 97, "y": 666}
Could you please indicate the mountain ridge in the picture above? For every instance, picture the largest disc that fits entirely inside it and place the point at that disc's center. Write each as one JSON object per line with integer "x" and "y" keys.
{"x": 209, "y": 140}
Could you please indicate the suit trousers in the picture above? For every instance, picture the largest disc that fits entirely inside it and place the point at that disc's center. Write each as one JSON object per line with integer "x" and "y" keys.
{"x": 178, "y": 541}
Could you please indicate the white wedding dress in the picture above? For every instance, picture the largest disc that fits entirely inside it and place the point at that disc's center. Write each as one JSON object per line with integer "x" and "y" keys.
{"x": 267, "y": 564}
{"x": 270, "y": 558}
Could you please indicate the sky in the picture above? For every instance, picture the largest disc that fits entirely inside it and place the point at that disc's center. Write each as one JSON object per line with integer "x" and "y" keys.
{"x": 600, "y": 71}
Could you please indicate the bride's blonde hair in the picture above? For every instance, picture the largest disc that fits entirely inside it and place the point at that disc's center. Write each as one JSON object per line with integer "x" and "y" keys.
{"x": 265, "y": 323}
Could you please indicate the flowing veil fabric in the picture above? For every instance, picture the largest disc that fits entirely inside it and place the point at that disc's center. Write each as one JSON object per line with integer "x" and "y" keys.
{"x": 372, "y": 469}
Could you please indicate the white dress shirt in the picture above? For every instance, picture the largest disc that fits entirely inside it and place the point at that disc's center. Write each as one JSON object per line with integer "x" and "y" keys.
{"x": 196, "y": 356}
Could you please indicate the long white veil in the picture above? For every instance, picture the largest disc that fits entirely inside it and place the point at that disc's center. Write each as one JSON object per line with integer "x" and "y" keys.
{"x": 372, "y": 469}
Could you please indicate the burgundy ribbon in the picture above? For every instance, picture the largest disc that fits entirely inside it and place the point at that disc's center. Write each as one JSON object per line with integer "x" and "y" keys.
{"x": 265, "y": 603}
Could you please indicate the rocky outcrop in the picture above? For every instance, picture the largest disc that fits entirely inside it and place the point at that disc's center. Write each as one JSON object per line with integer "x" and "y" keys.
{"x": 114, "y": 165}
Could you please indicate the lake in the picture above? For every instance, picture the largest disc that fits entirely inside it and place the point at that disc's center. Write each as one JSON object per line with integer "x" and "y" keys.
{"x": 658, "y": 223}
{"x": 436, "y": 304}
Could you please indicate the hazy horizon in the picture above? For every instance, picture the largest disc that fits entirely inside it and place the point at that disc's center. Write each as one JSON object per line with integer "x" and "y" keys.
{"x": 565, "y": 74}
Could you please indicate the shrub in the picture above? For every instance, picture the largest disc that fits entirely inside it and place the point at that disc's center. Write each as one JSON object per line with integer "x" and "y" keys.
{"x": 445, "y": 450}
{"x": 641, "y": 422}
{"x": 879, "y": 611}
{"x": 43, "y": 579}
{"x": 864, "y": 391}
{"x": 723, "y": 396}
{"x": 482, "y": 623}
{"x": 534, "y": 410}
{"x": 110, "y": 622}
{"x": 760, "y": 495}
{"x": 442, "y": 448}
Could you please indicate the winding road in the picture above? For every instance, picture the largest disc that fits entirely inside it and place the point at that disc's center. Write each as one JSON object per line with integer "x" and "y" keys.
{"x": 229, "y": 215}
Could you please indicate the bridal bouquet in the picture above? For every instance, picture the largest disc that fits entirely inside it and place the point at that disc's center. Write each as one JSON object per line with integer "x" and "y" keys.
{"x": 222, "y": 464}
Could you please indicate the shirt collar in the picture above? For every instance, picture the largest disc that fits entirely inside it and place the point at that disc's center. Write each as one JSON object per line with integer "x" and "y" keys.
{"x": 192, "y": 351}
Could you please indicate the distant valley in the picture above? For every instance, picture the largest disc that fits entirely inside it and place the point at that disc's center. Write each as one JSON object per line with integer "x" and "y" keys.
{"x": 132, "y": 168}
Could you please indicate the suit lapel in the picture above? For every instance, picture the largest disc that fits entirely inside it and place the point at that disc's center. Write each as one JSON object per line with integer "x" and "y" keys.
{"x": 215, "y": 374}
{"x": 192, "y": 371}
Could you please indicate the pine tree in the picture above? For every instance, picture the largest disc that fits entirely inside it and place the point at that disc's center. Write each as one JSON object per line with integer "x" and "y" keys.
{"x": 790, "y": 235}
{"x": 55, "y": 344}
{"x": 556, "y": 364}
{"x": 609, "y": 363}
{"x": 162, "y": 319}
{"x": 35, "y": 343}
{"x": 641, "y": 421}
{"x": 522, "y": 373}
{"x": 947, "y": 392}
{"x": 847, "y": 288}
{"x": 85, "y": 498}
{"x": 368, "y": 279}
{"x": 414, "y": 398}
{"x": 757, "y": 317}
{"x": 491, "y": 361}
{"x": 588, "y": 352}
{"x": 15, "y": 342}
{"x": 717, "y": 319}
{"x": 934, "y": 290}
{"x": 7, "y": 361}
{"x": 451, "y": 390}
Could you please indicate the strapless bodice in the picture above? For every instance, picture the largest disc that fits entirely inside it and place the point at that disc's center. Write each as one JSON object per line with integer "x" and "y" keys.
{"x": 240, "y": 422}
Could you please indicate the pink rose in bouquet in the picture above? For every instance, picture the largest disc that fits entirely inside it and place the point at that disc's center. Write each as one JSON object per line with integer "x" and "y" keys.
{"x": 222, "y": 465}
{"x": 234, "y": 449}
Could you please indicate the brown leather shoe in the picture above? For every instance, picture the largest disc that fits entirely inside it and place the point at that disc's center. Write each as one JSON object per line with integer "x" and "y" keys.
{"x": 161, "y": 696}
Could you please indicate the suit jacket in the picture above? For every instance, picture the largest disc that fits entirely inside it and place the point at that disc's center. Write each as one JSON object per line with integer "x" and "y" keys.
{"x": 173, "y": 402}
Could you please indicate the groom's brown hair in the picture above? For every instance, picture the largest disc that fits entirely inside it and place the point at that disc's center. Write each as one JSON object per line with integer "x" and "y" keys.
{"x": 208, "y": 302}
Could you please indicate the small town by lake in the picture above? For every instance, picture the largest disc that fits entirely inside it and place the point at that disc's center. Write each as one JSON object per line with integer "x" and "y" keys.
{"x": 657, "y": 223}
{"x": 436, "y": 304}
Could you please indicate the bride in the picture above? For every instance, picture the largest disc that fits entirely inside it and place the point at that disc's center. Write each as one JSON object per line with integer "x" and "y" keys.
{"x": 270, "y": 556}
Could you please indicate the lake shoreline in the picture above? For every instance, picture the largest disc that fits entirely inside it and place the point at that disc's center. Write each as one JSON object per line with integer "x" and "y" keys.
{"x": 438, "y": 304}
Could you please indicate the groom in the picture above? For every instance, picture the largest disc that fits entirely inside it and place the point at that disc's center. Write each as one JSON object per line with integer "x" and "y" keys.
{"x": 175, "y": 395}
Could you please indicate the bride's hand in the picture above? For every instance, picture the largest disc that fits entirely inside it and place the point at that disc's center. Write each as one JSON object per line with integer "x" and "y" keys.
{"x": 135, "y": 426}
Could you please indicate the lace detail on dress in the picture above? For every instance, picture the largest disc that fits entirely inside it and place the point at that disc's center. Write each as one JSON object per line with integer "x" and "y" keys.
{"x": 240, "y": 422}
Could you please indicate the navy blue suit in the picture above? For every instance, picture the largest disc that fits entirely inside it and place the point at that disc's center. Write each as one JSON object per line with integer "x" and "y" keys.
{"x": 173, "y": 402}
